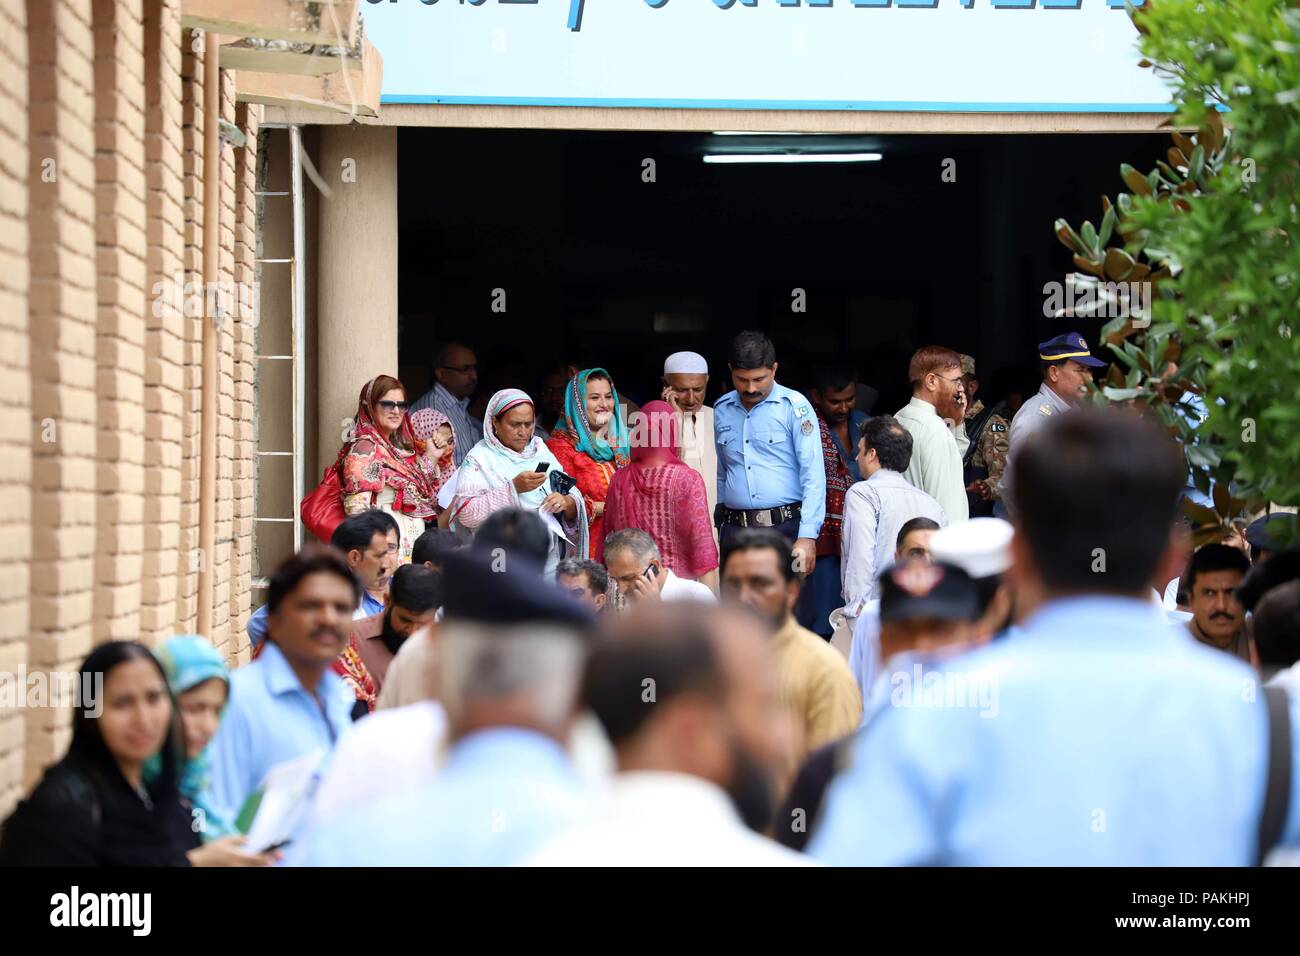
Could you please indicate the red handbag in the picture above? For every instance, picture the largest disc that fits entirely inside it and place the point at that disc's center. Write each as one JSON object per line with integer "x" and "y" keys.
{"x": 322, "y": 510}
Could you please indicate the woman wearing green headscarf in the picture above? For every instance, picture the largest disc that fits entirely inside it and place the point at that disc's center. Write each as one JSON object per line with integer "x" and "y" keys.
{"x": 591, "y": 441}
{"x": 199, "y": 680}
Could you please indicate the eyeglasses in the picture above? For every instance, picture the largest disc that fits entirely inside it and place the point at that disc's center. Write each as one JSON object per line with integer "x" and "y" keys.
{"x": 393, "y": 406}
{"x": 462, "y": 369}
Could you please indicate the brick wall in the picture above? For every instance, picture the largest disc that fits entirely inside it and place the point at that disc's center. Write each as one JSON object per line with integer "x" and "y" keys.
{"x": 15, "y": 386}
{"x": 101, "y": 166}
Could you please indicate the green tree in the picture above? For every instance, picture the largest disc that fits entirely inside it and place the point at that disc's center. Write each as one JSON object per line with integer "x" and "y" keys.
{"x": 1209, "y": 237}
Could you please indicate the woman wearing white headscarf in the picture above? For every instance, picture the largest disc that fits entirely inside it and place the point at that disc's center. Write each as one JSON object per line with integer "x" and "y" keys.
{"x": 501, "y": 472}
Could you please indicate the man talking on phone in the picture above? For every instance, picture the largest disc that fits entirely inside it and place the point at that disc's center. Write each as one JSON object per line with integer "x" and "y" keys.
{"x": 637, "y": 569}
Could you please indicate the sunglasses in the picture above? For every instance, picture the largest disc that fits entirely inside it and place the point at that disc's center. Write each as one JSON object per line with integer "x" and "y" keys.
{"x": 393, "y": 406}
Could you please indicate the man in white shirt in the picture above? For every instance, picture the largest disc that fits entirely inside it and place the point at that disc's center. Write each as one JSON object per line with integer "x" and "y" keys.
{"x": 1067, "y": 366}
{"x": 637, "y": 569}
{"x": 877, "y": 507}
{"x": 686, "y": 380}
{"x": 695, "y": 770}
{"x": 935, "y": 417}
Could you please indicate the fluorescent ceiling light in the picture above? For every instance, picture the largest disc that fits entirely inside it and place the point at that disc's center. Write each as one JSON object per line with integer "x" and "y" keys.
{"x": 756, "y": 132}
{"x": 739, "y": 158}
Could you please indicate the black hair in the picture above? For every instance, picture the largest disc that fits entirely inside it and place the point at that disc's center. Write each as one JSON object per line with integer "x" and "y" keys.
{"x": 355, "y": 532}
{"x": 444, "y": 350}
{"x": 754, "y": 539}
{"x": 892, "y": 442}
{"x": 671, "y": 647}
{"x": 518, "y": 532}
{"x": 597, "y": 576}
{"x": 1263, "y": 577}
{"x": 312, "y": 559}
{"x": 434, "y": 544}
{"x": 88, "y": 749}
{"x": 1213, "y": 557}
{"x": 751, "y": 350}
{"x": 1096, "y": 493}
{"x": 914, "y": 524}
{"x": 833, "y": 376}
{"x": 1275, "y": 626}
{"x": 416, "y": 588}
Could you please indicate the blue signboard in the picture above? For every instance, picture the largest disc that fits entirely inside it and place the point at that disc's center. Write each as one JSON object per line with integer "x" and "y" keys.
{"x": 955, "y": 55}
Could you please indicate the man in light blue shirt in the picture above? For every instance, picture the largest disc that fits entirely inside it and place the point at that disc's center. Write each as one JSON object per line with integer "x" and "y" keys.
{"x": 511, "y": 648}
{"x": 1111, "y": 738}
{"x": 369, "y": 542}
{"x": 288, "y": 702}
{"x": 771, "y": 472}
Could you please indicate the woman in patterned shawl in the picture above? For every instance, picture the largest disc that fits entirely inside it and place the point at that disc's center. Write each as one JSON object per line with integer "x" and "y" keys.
{"x": 384, "y": 465}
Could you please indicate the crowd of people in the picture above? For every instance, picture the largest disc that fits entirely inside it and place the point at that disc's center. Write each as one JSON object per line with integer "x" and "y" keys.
{"x": 781, "y": 630}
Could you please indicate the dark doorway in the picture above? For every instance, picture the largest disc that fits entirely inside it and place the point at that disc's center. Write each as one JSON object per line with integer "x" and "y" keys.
{"x": 601, "y": 267}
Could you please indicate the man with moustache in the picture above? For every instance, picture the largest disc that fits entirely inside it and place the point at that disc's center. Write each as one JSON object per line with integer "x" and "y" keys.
{"x": 771, "y": 473}
{"x": 935, "y": 417}
{"x": 288, "y": 702}
{"x": 1218, "y": 618}
{"x": 817, "y": 689}
{"x": 686, "y": 380}
{"x": 696, "y": 769}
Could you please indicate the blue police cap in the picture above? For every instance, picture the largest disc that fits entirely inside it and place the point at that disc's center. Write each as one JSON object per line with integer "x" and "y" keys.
{"x": 1070, "y": 345}
{"x": 505, "y": 589}
{"x": 1271, "y": 532}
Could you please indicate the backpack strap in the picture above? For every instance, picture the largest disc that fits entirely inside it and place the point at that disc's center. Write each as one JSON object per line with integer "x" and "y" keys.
{"x": 1277, "y": 791}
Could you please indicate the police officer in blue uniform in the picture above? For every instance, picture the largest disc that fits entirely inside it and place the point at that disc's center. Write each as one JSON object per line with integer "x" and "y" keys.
{"x": 770, "y": 468}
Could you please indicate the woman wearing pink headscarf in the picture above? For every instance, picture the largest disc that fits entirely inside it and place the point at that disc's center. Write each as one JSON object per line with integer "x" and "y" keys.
{"x": 663, "y": 496}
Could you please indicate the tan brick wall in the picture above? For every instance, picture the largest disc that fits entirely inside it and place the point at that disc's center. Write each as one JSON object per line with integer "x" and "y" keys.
{"x": 120, "y": 263}
{"x": 101, "y": 134}
{"x": 15, "y": 385}
{"x": 164, "y": 321}
{"x": 62, "y": 312}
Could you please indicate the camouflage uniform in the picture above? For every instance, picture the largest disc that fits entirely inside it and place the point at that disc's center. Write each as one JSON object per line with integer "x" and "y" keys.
{"x": 988, "y": 458}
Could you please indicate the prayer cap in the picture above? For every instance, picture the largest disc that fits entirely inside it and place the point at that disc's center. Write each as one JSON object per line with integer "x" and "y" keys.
{"x": 688, "y": 363}
{"x": 981, "y": 546}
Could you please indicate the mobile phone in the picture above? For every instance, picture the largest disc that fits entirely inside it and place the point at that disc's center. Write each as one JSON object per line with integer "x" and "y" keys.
{"x": 651, "y": 572}
{"x": 542, "y": 467}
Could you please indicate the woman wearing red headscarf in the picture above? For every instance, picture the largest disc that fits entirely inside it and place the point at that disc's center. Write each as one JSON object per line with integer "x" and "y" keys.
{"x": 663, "y": 496}
{"x": 384, "y": 465}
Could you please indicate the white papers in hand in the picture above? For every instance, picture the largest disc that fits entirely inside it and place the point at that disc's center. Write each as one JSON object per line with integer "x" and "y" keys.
{"x": 448, "y": 490}
{"x": 549, "y": 519}
{"x": 285, "y": 796}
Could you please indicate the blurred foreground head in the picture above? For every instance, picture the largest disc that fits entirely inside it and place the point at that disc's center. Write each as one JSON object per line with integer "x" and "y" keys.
{"x": 1096, "y": 496}
{"x": 512, "y": 647}
{"x": 693, "y": 690}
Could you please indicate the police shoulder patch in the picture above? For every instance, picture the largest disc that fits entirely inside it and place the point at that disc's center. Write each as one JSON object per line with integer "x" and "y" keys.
{"x": 807, "y": 426}
{"x": 1045, "y": 409}
{"x": 800, "y": 411}
{"x": 997, "y": 427}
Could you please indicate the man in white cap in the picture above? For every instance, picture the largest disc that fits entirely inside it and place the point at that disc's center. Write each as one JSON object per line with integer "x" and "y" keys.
{"x": 982, "y": 548}
{"x": 686, "y": 379}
